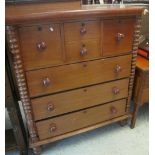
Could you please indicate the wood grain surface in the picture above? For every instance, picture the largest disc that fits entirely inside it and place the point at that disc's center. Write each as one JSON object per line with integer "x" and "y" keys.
{"x": 76, "y": 75}
{"x": 61, "y": 103}
{"x": 26, "y": 14}
{"x": 80, "y": 119}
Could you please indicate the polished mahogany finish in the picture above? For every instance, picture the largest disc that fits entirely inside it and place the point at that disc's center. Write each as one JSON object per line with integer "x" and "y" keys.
{"x": 74, "y": 100}
{"x": 74, "y": 66}
{"x": 76, "y": 120}
{"x": 18, "y": 14}
{"x": 119, "y": 36}
{"x": 41, "y": 45}
{"x": 57, "y": 79}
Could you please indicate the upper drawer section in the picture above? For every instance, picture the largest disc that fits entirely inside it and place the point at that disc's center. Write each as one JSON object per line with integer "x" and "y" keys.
{"x": 117, "y": 36}
{"x": 55, "y": 79}
{"x": 40, "y": 45}
{"x": 83, "y": 50}
{"x": 82, "y": 30}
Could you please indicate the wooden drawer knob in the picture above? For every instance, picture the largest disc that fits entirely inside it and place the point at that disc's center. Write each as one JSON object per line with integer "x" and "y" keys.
{"x": 46, "y": 81}
{"x": 51, "y": 28}
{"x": 115, "y": 90}
{"x": 113, "y": 110}
{"x": 41, "y": 46}
{"x": 50, "y": 107}
{"x": 83, "y": 51}
{"x": 118, "y": 69}
{"x": 83, "y": 29}
{"x": 53, "y": 127}
{"x": 119, "y": 36}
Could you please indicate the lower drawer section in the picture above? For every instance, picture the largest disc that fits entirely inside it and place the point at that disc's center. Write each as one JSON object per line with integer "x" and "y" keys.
{"x": 77, "y": 120}
{"x": 70, "y": 101}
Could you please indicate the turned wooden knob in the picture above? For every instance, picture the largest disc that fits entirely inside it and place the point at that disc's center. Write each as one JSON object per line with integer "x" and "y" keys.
{"x": 83, "y": 51}
{"x": 113, "y": 110}
{"x": 118, "y": 69}
{"x": 41, "y": 46}
{"x": 50, "y": 107}
{"x": 53, "y": 127}
{"x": 115, "y": 90}
{"x": 51, "y": 28}
{"x": 119, "y": 36}
{"x": 46, "y": 81}
{"x": 83, "y": 29}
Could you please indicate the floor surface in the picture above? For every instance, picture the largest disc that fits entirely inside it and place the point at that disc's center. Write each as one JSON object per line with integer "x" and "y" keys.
{"x": 108, "y": 140}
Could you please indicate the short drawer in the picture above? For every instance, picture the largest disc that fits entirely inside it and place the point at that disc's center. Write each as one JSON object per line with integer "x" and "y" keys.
{"x": 57, "y": 104}
{"x": 77, "y": 31}
{"x": 40, "y": 45}
{"x": 56, "y": 79}
{"x": 117, "y": 36}
{"x": 83, "y": 50}
{"x": 77, "y": 120}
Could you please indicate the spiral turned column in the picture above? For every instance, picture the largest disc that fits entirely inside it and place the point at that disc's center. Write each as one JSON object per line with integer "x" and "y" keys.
{"x": 134, "y": 56}
{"x": 12, "y": 39}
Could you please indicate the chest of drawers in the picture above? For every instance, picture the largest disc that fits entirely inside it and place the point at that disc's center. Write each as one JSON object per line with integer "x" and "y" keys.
{"x": 74, "y": 67}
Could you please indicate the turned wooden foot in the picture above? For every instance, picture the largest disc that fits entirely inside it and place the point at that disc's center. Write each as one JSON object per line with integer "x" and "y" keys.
{"x": 23, "y": 152}
{"x": 123, "y": 122}
{"x": 37, "y": 150}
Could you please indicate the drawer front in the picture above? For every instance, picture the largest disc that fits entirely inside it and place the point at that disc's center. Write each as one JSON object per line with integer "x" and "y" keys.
{"x": 55, "y": 79}
{"x": 77, "y": 31}
{"x": 40, "y": 46}
{"x": 83, "y": 50}
{"x": 79, "y": 99}
{"x": 117, "y": 36}
{"x": 77, "y": 120}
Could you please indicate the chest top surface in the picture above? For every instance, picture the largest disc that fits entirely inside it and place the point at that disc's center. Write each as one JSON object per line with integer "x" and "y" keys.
{"x": 25, "y": 13}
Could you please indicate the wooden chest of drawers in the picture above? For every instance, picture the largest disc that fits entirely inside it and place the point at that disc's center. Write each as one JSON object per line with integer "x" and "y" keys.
{"x": 74, "y": 73}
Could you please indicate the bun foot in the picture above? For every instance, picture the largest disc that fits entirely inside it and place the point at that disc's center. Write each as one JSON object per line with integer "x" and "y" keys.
{"x": 123, "y": 122}
{"x": 37, "y": 150}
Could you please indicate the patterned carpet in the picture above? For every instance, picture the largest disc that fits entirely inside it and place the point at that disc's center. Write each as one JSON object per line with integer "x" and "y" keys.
{"x": 108, "y": 140}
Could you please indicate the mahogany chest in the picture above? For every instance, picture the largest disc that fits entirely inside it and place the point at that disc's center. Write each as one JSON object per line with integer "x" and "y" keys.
{"x": 74, "y": 66}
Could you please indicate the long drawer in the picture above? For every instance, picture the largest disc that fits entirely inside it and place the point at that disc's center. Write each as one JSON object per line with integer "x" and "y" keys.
{"x": 56, "y": 79}
{"x": 77, "y": 120}
{"x": 57, "y": 104}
